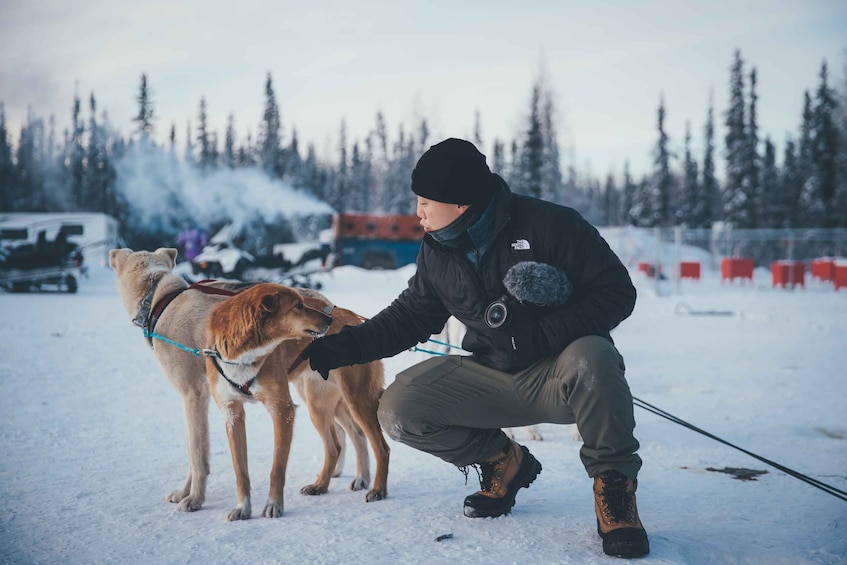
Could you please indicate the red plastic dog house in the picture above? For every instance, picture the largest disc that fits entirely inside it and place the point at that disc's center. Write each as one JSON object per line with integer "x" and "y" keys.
{"x": 788, "y": 273}
{"x": 822, "y": 269}
{"x": 840, "y": 277}
{"x": 689, "y": 270}
{"x": 736, "y": 268}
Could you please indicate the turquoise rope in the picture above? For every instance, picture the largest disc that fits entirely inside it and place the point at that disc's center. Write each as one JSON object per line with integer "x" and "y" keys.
{"x": 439, "y": 353}
{"x": 445, "y": 343}
{"x": 149, "y": 334}
{"x": 199, "y": 352}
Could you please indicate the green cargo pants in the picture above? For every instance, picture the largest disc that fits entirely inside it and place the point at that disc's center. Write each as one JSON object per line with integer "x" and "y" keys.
{"x": 454, "y": 407}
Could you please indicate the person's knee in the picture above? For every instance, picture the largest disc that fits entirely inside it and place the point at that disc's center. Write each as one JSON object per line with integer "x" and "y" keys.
{"x": 398, "y": 414}
{"x": 593, "y": 359}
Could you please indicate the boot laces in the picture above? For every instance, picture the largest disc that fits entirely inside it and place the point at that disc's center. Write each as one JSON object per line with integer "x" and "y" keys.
{"x": 489, "y": 473}
{"x": 616, "y": 503}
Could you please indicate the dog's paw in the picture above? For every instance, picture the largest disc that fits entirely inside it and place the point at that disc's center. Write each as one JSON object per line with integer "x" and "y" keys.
{"x": 190, "y": 504}
{"x": 375, "y": 495}
{"x": 272, "y": 510}
{"x": 176, "y": 496}
{"x": 238, "y": 513}
{"x": 360, "y": 483}
{"x": 313, "y": 490}
{"x": 242, "y": 511}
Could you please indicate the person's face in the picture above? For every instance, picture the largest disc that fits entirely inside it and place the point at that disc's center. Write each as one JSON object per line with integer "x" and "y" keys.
{"x": 436, "y": 215}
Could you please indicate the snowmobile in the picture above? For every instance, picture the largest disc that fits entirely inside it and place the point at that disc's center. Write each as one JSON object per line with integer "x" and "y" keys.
{"x": 43, "y": 265}
{"x": 290, "y": 264}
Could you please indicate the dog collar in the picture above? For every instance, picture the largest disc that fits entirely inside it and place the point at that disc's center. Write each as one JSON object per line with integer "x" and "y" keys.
{"x": 243, "y": 388}
{"x": 143, "y": 317}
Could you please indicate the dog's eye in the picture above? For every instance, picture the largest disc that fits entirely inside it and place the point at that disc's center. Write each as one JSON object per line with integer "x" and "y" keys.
{"x": 299, "y": 306}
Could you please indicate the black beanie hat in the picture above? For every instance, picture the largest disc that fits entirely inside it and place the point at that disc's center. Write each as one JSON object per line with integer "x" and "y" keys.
{"x": 453, "y": 172}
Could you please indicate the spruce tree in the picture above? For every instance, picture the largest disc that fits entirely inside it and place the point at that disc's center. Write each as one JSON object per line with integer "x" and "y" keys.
{"x": 790, "y": 187}
{"x": 840, "y": 205}
{"x": 661, "y": 187}
{"x": 204, "y": 138}
{"x": 630, "y": 218}
{"x": 551, "y": 172}
{"x": 690, "y": 197}
{"x": 340, "y": 193}
{"x": 611, "y": 203}
{"x": 144, "y": 117}
{"x": 76, "y": 158}
{"x": 737, "y": 150}
{"x": 809, "y": 200}
{"x": 96, "y": 181}
{"x": 358, "y": 186}
{"x": 707, "y": 208}
{"x": 293, "y": 159}
{"x": 6, "y": 165}
{"x": 498, "y": 158}
{"x": 270, "y": 134}
{"x": 771, "y": 214}
{"x": 229, "y": 156}
{"x": 752, "y": 185}
{"x": 477, "y": 131}
{"x": 188, "y": 154}
{"x": 825, "y": 151}
{"x": 529, "y": 176}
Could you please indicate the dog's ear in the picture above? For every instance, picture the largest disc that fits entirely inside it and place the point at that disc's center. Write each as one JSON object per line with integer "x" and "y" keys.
{"x": 168, "y": 252}
{"x": 269, "y": 304}
{"x": 117, "y": 257}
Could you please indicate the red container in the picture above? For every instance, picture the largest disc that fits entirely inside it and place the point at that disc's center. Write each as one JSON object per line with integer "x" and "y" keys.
{"x": 376, "y": 226}
{"x": 647, "y": 268}
{"x": 689, "y": 270}
{"x": 840, "y": 275}
{"x": 788, "y": 273}
{"x": 822, "y": 269}
{"x": 736, "y": 268}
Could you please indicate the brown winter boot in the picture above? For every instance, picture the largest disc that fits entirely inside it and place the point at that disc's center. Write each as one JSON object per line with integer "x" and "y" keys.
{"x": 499, "y": 479}
{"x": 617, "y": 516}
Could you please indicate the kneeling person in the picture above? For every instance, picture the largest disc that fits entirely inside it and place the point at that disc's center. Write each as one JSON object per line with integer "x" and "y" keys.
{"x": 539, "y": 290}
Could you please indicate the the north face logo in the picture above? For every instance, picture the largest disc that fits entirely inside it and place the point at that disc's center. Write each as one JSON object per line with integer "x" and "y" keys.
{"x": 520, "y": 245}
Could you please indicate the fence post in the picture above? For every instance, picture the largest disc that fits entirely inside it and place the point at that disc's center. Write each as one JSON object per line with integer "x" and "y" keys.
{"x": 677, "y": 248}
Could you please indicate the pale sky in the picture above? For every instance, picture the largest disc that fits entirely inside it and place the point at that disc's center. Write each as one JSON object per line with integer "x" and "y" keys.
{"x": 607, "y": 62}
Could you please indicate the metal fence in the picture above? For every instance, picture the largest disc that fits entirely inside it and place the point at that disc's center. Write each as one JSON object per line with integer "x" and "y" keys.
{"x": 663, "y": 249}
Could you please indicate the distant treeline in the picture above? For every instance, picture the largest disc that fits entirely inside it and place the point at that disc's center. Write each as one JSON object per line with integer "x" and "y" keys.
{"x": 803, "y": 184}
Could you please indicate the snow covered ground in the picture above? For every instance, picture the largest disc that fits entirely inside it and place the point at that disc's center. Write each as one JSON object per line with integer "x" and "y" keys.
{"x": 92, "y": 438}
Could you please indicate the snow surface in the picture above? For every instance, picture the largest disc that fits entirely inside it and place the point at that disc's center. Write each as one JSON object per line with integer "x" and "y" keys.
{"x": 93, "y": 438}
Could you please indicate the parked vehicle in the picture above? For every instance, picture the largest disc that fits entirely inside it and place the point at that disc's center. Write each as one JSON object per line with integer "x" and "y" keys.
{"x": 291, "y": 264}
{"x": 43, "y": 264}
{"x": 374, "y": 241}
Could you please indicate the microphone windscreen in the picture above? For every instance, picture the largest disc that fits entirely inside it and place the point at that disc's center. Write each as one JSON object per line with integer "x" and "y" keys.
{"x": 538, "y": 283}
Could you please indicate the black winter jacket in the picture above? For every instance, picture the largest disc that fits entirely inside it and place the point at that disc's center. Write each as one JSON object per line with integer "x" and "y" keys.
{"x": 447, "y": 282}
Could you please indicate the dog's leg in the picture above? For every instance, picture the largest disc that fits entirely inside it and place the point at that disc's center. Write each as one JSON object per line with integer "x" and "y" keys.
{"x": 342, "y": 452}
{"x": 534, "y": 434}
{"x": 193, "y": 492}
{"x": 282, "y": 413}
{"x": 362, "y": 480}
{"x": 237, "y": 436}
{"x": 322, "y": 400}
{"x": 362, "y": 399}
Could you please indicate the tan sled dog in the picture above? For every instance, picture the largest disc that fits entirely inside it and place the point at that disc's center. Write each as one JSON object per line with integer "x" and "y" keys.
{"x": 144, "y": 278}
{"x": 246, "y": 331}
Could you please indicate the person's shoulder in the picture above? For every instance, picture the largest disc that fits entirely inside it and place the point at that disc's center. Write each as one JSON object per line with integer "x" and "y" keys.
{"x": 538, "y": 209}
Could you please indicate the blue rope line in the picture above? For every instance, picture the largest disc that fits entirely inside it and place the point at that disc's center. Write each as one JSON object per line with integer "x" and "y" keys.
{"x": 439, "y": 353}
{"x": 445, "y": 343}
{"x": 149, "y": 334}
